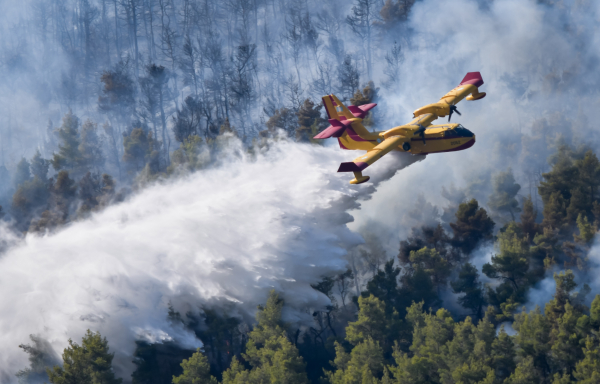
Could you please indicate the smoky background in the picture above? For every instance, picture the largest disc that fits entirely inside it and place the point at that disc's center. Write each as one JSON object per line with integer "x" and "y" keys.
{"x": 249, "y": 61}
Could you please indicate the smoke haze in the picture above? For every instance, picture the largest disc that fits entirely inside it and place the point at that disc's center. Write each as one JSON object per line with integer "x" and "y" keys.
{"x": 285, "y": 219}
{"x": 226, "y": 235}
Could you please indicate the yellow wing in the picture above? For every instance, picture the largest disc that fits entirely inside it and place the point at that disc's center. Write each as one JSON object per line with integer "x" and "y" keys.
{"x": 360, "y": 163}
{"x": 468, "y": 87}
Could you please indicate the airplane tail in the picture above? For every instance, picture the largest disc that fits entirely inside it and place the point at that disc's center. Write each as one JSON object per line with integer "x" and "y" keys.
{"x": 346, "y": 124}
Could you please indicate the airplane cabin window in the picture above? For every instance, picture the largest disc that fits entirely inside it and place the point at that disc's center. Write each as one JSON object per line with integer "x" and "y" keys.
{"x": 463, "y": 132}
{"x": 450, "y": 133}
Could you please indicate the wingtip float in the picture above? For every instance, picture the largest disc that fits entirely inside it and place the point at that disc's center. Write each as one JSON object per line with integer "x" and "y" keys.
{"x": 418, "y": 137}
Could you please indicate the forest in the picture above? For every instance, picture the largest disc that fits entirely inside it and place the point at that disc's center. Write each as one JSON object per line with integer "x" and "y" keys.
{"x": 484, "y": 269}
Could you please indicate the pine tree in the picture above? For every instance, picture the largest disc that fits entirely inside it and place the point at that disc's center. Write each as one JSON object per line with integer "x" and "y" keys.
{"x": 90, "y": 146}
{"x": 89, "y": 362}
{"x": 505, "y": 190}
{"x": 430, "y": 262}
{"x": 41, "y": 355}
{"x": 587, "y": 231}
{"x": 283, "y": 118}
{"x": 555, "y": 211}
{"x": 589, "y": 175}
{"x": 528, "y": 219}
{"x": 39, "y": 166}
{"x": 468, "y": 283}
{"x": 546, "y": 243}
{"x": 118, "y": 92}
{"x": 472, "y": 226}
{"x": 374, "y": 323}
{"x": 68, "y": 156}
{"x": 568, "y": 337}
{"x": 349, "y": 77}
{"x": 22, "y": 173}
{"x": 533, "y": 346}
{"x": 363, "y": 365}
{"x": 503, "y": 355}
{"x": 525, "y": 373}
{"x": 137, "y": 148}
{"x": 29, "y": 198}
{"x": 309, "y": 118}
{"x": 189, "y": 155}
{"x": 63, "y": 193}
{"x": 187, "y": 121}
{"x": 588, "y": 369}
{"x": 431, "y": 332}
{"x": 595, "y": 313}
{"x": 368, "y": 95}
{"x": 196, "y": 370}
{"x": 512, "y": 263}
{"x": 272, "y": 357}
{"x": 596, "y": 213}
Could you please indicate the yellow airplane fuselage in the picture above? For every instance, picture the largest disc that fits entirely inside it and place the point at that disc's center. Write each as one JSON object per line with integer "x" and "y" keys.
{"x": 438, "y": 138}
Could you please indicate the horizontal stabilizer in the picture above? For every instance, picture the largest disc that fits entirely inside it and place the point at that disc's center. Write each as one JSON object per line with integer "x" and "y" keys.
{"x": 352, "y": 167}
{"x": 331, "y": 131}
{"x": 361, "y": 110}
{"x": 473, "y": 78}
{"x": 340, "y": 123}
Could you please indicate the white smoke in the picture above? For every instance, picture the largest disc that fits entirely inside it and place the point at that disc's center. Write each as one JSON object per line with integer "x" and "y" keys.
{"x": 228, "y": 234}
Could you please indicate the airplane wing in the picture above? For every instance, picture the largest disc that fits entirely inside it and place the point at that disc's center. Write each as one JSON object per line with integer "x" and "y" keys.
{"x": 468, "y": 87}
{"x": 362, "y": 162}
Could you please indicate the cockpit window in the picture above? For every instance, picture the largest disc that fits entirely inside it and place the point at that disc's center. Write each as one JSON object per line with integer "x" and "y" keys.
{"x": 451, "y": 133}
{"x": 458, "y": 131}
{"x": 463, "y": 132}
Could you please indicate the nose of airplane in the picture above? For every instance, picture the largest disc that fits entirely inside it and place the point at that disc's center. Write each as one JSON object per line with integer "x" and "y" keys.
{"x": 470, "y": 143}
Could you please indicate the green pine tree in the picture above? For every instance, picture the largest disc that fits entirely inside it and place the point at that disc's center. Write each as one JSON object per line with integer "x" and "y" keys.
{"x": 587, "y": 370}
{"x": 196, "y": 370}
{"x": 309, "y": 120}
{"x": 273, "y": 358}
{"x": 430, "y": 261}
{"x": 69, "y": 156}
{"x": 363, "y": 365}
{"x": 587, "y": 231}
{"x": 22, "y": 173}
{"x": 504, "y": 191}
{"x": 472, "y": 226}
{"x": 374, "y": 323}
{"x": 528, "y": 219}
{"x": 468, "y": 283}
{"x": 39, "y": 166}
{"x": 89, "y": 362}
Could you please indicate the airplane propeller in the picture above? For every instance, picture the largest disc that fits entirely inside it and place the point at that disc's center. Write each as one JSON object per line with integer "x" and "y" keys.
{"x": 452, "y": 110}
{"x": 420, "y": 132}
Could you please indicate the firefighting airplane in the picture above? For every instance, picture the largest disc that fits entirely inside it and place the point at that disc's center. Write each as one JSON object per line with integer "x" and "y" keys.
{"x": 417, "y": 137}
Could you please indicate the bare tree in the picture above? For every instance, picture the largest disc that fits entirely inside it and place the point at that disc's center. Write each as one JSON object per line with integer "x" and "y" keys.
{"x": 349, "y": 77}
{"x": 361, "y": 22}
{"x": 394, "y": 58}
{"x": 242, "y": 82}
{"x": 156, "y": 93}
{"x": 190, "y": 62}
